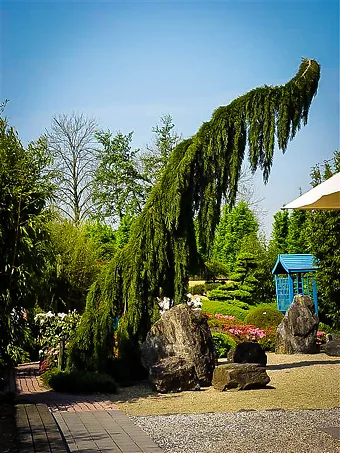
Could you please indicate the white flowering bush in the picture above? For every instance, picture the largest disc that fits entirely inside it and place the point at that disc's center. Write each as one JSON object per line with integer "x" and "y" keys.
{"x": 52, "y": 328}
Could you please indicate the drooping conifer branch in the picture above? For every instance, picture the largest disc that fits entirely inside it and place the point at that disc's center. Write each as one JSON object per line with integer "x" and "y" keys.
{"x": 201, "y": 171}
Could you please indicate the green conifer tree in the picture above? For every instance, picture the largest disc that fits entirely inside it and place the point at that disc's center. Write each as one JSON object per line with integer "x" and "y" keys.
{"x": 235, "y": 224}
{"x": 201, "y": 171}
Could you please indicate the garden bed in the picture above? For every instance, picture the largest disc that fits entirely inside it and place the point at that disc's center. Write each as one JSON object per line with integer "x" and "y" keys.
{"x": 299, "y": 381}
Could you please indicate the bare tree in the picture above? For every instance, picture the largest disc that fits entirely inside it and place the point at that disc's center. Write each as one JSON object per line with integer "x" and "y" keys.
{"x": 71, "y": 140}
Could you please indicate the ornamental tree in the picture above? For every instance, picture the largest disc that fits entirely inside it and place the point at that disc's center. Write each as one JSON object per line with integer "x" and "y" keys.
{"x": 201, "y": 171}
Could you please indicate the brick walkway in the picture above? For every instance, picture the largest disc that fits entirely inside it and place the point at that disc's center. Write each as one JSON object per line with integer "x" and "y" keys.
{"x": 49, "y": 421}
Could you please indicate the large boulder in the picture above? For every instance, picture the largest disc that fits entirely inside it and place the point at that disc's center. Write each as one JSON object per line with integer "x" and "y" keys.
{"x": 332, "y": 348}
{"x": 181, "y": 332}
{"x": 297, "y": 332}
{"x": 249, "y": 352}
{"x": 240, "y": 375}
{"x": 173, "y": 374}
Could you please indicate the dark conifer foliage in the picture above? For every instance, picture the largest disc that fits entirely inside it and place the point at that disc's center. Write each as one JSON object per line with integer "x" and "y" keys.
{"x": 201, "y": 171}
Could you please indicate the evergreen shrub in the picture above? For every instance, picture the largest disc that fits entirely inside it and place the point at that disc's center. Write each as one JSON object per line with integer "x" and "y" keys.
{"x": 264, "y": 316}
{"x": 126, "y": 372}
{"x": 79, "y": 382}
{"x": 222, "y": 344}
{"x": 224, "y": 308}
{"x": 197, "y": 289}
{"x": 209, "y": 286}
{"x": 325, "y": 328}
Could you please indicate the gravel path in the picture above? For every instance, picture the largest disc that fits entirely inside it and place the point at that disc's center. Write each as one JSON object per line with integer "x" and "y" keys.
{"x": 275, "y": 431}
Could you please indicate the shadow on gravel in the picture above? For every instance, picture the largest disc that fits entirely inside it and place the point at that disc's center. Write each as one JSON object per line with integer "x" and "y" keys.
{"x": 284, "y": 366}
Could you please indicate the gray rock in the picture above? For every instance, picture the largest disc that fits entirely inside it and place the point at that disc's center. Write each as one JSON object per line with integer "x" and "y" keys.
{"x": 181, "y": 332}
{"x": 173, "y": 374}
{"x": 332, "y": 348}
{"x": 297, "y": 332}
{"x": 239, "y": 375}
{"x": 249, "y": 352}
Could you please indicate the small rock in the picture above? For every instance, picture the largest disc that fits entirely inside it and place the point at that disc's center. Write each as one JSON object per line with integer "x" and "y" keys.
{"x": 249, "y": 352}
{"x": 240, "y": 375}
{"x": 332, "y": 348}
{"x": 174, "y": 374}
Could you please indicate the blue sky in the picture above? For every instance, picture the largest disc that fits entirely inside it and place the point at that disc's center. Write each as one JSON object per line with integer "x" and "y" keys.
{"x": 128, "y": 63}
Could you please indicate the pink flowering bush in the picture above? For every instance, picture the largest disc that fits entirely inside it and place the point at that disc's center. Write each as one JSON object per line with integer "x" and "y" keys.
{"x": 246, "y": 332}
{"x": 320, "y": 337}
{"x": 242, "y": 332}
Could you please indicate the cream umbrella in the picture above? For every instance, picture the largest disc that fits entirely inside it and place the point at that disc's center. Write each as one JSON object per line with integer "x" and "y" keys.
{"x": 324, "y": 196}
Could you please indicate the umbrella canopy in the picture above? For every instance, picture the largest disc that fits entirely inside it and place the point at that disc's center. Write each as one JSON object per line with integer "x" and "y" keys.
{"x": 324, "y": 196}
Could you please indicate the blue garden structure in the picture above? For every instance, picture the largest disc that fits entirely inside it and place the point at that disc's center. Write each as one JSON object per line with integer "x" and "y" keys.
{"x": 294, "y": 274}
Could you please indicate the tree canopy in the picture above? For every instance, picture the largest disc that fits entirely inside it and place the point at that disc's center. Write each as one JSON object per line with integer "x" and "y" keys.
{"x": 25, "y": 188}
{"x": 200, "y": 171}
{"x": 235, "y": 224}
{"x": 323, "y": 231}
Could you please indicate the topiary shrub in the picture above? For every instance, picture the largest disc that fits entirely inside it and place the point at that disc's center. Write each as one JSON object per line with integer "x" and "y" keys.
{"x": 264, "y": 316}
{"x": 79, "y": 382}
{"x": 222, "y": 344}
{"x": 209, "y": 286}
{"x": 224, "y": 308}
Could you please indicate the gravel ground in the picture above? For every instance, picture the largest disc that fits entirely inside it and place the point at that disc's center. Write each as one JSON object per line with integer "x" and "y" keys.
{"x": 298, "y": 382}
{"x": 276, "y": 431}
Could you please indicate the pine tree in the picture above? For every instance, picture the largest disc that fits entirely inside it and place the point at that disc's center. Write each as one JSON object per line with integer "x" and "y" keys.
{"x": 235, "y": 224}
{"x": 201, "y": 171}
{"x": 278, "y": 243}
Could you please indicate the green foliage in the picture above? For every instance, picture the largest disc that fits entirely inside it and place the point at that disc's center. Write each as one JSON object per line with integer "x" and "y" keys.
{"x": 119, "y": 184}
{"x": 25, "y": 188}
{"x": 279, "y": 239}
{"x": 242, "y": 284}
{"x": 263, "y": 289}
{"x": 156, "y": 157}
{"x": 324, "y": 235}
{"x": 214, "y": 269}
{"x": 269, "y": 341}
{"x": 224, "y": 308}
{"x": 47, "y": 375}
{"x": 74, "y": 263}
{"x": 264, "y": 317}
{"x": 51, "y": 328}
{"x": 103, "y": 238}
{"x": 235, "y": 224}
{"x": 197, "y": 289}
{"x": 325, "y": 328}
{"x": 297, "y": 239}
{"x": 79, "y": 382}
{"x": 323, "y": 232}
{"x": 201, "y": 170}
{"x": 211, "y": 285}
{"x": 222, "y": 344}
{"x": 124, "y": 230}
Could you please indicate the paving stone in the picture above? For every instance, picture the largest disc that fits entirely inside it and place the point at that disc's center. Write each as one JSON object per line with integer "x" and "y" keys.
{"x": 88, "y": 423}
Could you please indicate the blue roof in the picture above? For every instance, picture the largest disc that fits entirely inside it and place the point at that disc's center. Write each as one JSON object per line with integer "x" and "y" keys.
{"x": 299, "y": 262}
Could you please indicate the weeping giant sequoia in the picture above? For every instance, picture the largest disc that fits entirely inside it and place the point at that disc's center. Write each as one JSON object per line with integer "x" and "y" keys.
{"x": 201, "y": 170}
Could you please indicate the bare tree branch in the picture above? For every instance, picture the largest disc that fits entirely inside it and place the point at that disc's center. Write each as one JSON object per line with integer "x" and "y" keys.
{"x": 71, "y": 139}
